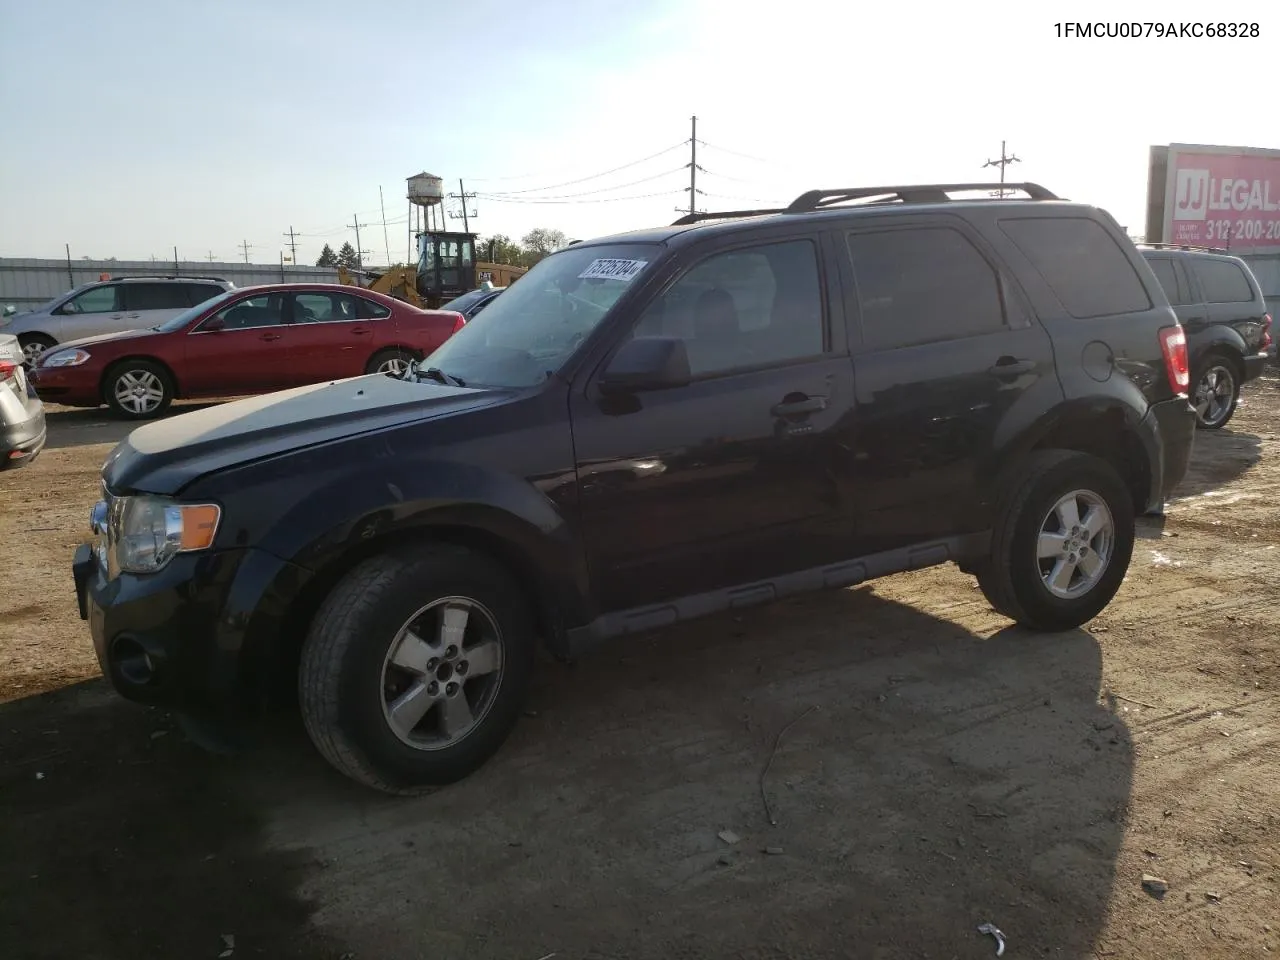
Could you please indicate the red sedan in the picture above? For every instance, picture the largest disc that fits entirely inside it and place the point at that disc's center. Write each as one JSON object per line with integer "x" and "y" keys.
{"x": 249, "y": 340}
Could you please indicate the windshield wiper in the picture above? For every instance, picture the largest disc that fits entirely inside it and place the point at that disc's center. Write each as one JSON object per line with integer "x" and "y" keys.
{"x": 439, "y": 376}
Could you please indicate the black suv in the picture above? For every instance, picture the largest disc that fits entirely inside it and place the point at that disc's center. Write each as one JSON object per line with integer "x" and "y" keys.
{"x": 647, "y": 428}
{"x": 1220, "y": 305}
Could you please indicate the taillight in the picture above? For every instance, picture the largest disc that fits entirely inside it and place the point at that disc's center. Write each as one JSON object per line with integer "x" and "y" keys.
{"x": 459, "y": 323}
{"x": 1173, "y": 344}
{"x": 7, "y": 368}
{"x": 1266, "y": 333}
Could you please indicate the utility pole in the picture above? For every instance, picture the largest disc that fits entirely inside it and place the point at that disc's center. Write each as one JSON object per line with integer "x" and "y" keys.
{"x": 1004, "y": 161}
{"x": 355, "y": 222}
{"x": 210, "y": 257}
{"x": 246, "y": 246}
{"x": 71, "y": 279}
{"x": 693, "y": 166}
{"x": 462, "y": 197}
{"x": 177, "y": 269}
{"x": 293, "y": 246}
{"x": 385, "y": 237}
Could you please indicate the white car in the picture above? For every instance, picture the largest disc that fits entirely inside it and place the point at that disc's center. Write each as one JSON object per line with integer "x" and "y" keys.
{"x": 108, "y": 306}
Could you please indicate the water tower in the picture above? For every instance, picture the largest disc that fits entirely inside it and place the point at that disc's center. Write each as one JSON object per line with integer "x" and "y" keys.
{"x": 426, "y": 191}
{"x": 446, "y": 259}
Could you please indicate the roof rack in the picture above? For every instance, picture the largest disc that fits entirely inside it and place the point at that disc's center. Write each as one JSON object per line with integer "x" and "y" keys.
{"x": 167, "y": 276}
{"x": 914, "y": 193}
{"x": 1182, "y": 246}
{"x": 689, "y": 218}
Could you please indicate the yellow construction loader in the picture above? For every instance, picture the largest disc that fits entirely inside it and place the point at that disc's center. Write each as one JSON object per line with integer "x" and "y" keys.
{"x": 446, "y": 269}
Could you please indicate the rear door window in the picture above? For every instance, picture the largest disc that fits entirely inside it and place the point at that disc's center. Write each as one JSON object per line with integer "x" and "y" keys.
{"x": 923, "y": 285}
{"x": 1222, "y": 281}
{"x": 323, "y": 307}
{"x": 1171, "y": 280}
{"x": 200, "y": 292}
{"x": 1082, "y": 263}
{"x": 154, "y": 296}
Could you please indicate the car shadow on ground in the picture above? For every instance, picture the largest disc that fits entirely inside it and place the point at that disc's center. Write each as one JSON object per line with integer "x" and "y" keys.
{"x": 79, "y": 426}
{"x": 923, "y": 780}
{"x": 1218, "y": 458}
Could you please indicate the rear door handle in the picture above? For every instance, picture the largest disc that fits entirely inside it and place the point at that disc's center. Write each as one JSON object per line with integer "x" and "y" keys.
{"x": 270, "y": 336}
{"x": 1009, "y": 367}
{"x": 793, "y": 407}
{"x": 360, "y": 331}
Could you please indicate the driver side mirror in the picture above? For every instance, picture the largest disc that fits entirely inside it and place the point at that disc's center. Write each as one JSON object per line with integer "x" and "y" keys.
{"x": 213, "y": 325}
{"x": 10, "y": 310}
{"x": 647, "y": 363}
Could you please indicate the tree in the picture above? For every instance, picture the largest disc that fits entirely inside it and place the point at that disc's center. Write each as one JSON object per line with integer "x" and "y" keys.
{"x": 541, "y": 241}
{"x": 347, "y": 257}
{"x": 327, "y": 257}
{"x": 499, "y": 249}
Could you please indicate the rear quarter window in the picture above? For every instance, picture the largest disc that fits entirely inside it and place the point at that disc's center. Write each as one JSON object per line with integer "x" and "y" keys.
{"x": 1222, "y": 281}
{"x": 1084, "y": 266}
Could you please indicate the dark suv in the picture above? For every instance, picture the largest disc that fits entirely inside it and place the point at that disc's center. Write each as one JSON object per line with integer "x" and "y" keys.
{"x": 1220, "y": 306}
{"x": 647, "y": 428}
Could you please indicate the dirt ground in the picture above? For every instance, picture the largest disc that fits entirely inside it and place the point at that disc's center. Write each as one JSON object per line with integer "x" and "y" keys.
{"x": 939, "y": 770}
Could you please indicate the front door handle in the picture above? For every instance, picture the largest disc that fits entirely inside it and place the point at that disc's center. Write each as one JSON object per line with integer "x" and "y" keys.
{"x": 359, "y": 331}
{"x": 791, "y": 408}
{"x": 133, "y": 316}
{"x": 1011, "y": 367}
{"x": 270, "y": 336}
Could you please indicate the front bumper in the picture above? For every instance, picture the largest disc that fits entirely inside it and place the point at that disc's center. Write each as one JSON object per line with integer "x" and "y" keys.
{"x": 1173, "y": 424}
{"x": 190, "y": 635}
{"x": 21, "y": 442}
{"x": 70, "y": 386}
{"x": 1255, "y": 366}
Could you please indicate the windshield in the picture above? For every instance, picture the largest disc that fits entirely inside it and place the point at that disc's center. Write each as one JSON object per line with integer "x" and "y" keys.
{"x": 186, "y": 316}
{"x": 524, "y": 336}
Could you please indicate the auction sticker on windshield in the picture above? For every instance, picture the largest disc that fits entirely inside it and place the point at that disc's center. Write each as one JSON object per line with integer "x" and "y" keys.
{"x": 623, "y": 270}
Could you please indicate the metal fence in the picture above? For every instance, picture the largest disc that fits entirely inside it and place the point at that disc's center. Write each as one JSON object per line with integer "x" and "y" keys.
{"x": 26, "y": 282}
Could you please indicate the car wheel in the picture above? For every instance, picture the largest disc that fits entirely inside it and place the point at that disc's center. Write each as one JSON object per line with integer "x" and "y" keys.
{"x": 394, "y": 363}
{"x": 1061, "y": 542}
{"x": 415, "y": 667}
{"x": 33, "y": 345}
{"x": 1216, "y": 392}
{"x": 138, "y": 389}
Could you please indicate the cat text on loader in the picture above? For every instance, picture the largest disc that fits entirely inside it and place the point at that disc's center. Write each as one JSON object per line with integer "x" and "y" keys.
{"x": 446, "y": 269}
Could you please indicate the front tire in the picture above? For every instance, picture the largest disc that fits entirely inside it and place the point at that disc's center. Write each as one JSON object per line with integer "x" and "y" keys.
{"x": 416, "y": 667}
{"x": 1216, "y": 392}
{"x": 1061, "y": 543}
{"x": 393, "y": 363}
{"x": 138, "y": 389}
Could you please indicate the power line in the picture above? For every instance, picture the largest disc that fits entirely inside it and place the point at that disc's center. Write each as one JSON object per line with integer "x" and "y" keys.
{"x": 641, "y": 196}
{"x": 736, "y": 153}
{"x": 594, "y": 176}
{"x": 589, "y": 193}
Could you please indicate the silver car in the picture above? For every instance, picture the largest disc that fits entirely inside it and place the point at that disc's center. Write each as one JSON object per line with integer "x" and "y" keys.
{"x": 108, "y": 306}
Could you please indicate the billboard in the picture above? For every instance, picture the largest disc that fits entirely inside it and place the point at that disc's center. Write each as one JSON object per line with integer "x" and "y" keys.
{"x": 1226, "y": 197}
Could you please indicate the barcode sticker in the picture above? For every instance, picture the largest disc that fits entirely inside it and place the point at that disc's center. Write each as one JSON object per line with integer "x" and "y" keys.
{"x": 623, "y": 270}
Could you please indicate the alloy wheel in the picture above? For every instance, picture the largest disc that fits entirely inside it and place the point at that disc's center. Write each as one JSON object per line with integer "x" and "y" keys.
{"x": 139, "y": 391}
{"x": 442, "y": 673}
{"x": 1075, "y": 544}
{"x": 1214, "y": 394}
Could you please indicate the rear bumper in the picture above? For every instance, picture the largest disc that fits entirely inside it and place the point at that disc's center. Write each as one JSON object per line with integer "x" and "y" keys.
{"x": 21, "y": 443}
{"x": 1172, "y": 425}
{"x": 1255, "y": 366}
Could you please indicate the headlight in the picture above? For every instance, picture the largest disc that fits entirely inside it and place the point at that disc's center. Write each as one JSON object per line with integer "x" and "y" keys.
{"x": 65, "y": 358}
{"x": 145, "y": 533}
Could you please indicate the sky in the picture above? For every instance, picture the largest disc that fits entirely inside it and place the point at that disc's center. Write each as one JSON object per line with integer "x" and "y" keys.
{"x": 132, "y": 127}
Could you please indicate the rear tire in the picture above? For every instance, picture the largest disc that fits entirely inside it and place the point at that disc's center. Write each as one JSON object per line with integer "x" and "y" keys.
{"x": 33, "y": 345}
{"x": 436, "y": 625}
{"x": 394, "y": 362}
{"x": 1052, "y": 575}
{"x": 138, "y": 389}
{"x": 1216, "y": 391}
